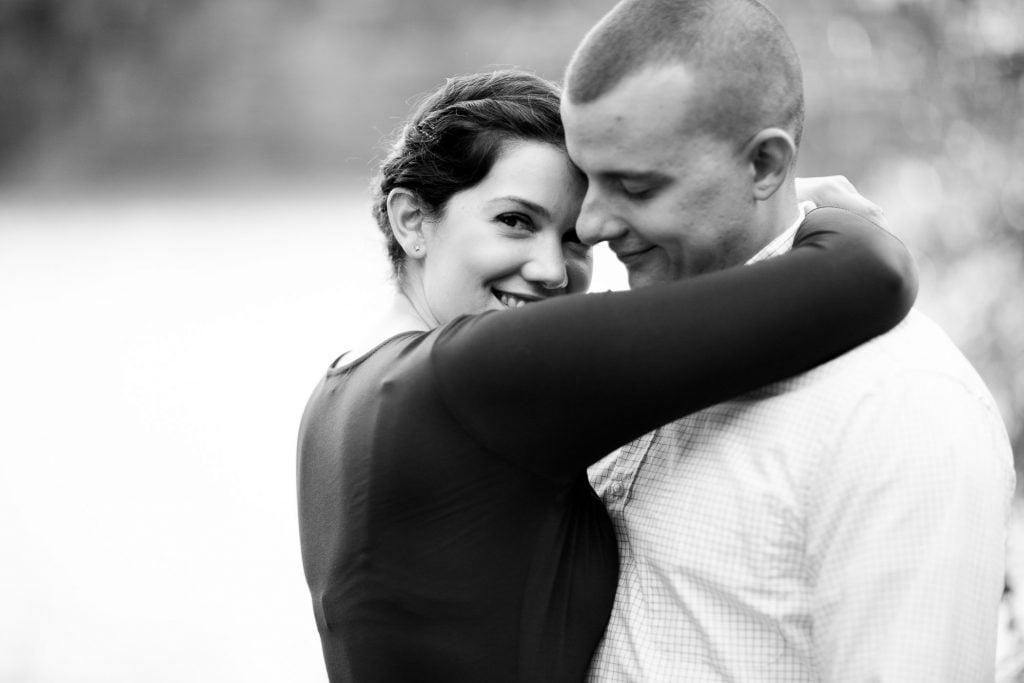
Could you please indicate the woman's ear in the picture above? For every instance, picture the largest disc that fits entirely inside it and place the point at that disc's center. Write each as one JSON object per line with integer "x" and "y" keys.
{"x": 771, "y": 155}
{"x": 405, "y": 213}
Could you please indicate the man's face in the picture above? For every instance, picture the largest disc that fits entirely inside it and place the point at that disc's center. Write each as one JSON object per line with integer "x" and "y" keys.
{"x": 671, "y": 199}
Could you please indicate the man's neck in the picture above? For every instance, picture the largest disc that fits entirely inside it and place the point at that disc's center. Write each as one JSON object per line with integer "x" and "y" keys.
{"x": 781, "y": 211}
{"x": 783, "y": 241}
{"x": 778, "y": 215}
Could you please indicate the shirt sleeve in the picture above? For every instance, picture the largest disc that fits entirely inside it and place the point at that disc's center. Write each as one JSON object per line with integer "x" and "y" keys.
{"x": 557, "y": 384}
{"x": 907, "y": 537}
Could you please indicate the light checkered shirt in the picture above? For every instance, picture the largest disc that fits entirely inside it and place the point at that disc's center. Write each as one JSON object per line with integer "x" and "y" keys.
{"x": 844, "y": 525}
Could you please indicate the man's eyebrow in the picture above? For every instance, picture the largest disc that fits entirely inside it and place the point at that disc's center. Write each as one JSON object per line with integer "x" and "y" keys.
{"x": 532, "y": 206}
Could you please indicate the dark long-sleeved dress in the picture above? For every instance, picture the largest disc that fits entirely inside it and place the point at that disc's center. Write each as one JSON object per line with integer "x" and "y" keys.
{"x": 448, "y": 529}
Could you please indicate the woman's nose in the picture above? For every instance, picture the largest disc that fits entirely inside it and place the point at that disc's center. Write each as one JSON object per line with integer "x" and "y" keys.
{"x": 546, "y": 266}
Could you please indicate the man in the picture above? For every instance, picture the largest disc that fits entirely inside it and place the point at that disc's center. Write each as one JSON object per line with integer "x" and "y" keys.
{"x": 845, "y": 525}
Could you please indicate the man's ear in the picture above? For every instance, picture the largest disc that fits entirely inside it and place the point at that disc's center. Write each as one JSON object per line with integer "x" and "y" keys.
{"x": 771, "y": 154}
{"x": 405, "y": 213}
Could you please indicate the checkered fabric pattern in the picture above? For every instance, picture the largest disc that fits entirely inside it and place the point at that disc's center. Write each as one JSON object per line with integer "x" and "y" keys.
{"x": 848, "y": 524}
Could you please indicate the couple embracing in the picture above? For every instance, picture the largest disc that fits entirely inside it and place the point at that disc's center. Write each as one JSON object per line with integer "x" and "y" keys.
{"x": 807, "y": 482}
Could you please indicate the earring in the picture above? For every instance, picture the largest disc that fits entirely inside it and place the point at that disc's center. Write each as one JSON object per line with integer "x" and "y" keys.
{"x": 417, "y": 248}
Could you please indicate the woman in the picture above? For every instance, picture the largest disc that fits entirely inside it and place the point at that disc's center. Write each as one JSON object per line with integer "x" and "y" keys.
{"x": 448, "y": 529}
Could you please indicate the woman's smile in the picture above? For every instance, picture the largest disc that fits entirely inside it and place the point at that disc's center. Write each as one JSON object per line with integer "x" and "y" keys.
{"x": 511, "y": 300}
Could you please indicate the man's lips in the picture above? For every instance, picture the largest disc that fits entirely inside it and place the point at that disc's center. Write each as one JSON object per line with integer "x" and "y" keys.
{"x": 629, "y": 255}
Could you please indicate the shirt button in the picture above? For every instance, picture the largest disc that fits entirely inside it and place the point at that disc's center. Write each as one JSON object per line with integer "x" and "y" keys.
{"x": 618, "y": 489}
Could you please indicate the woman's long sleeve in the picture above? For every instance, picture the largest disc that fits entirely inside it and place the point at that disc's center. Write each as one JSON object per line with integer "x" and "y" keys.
{"x": 556, "y": 385}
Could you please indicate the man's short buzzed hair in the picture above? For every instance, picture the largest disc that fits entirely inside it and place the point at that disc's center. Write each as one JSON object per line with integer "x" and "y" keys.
{"x": 738, "y": 50}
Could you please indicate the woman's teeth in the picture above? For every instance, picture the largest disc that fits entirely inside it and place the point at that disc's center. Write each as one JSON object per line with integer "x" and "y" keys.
{"x": 511, "y": 301}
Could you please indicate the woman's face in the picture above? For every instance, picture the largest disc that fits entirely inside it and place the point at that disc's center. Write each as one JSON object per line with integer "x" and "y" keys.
{"x": 510, "y": 240}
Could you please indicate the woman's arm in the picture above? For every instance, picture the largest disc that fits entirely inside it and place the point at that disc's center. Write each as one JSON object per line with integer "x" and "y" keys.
{"x": 838, "y": 191}
{"x": 556, "y": 385}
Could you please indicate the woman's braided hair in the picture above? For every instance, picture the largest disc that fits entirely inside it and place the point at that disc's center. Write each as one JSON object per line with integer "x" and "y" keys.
{"x": 455, "y": 135}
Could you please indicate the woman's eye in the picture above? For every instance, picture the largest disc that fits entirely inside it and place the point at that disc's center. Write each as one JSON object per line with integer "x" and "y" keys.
{"x": 515, "y": 220}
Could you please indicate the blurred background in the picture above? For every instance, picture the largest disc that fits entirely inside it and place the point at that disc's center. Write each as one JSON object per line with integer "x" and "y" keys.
{"x": 186, "y": 243}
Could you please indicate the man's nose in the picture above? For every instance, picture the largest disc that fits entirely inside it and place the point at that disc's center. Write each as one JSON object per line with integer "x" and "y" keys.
{"x": 597, "y": 223}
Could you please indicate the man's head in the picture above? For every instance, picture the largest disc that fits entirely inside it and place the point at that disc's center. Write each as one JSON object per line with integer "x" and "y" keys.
{"x": 685, "y": 116}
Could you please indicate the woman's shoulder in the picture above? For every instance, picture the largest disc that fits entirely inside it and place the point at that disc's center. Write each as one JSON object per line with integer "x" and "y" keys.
{"x": 395, "y": 324}
{"x": 371, "y": 348}
{"x": 396, "y": 340}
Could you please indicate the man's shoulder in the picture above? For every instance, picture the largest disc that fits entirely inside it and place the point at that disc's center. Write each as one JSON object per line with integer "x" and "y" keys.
{"x": 915, "y": 347}
{"x": 917, "y": 352}
{"x": 916, "y": 361}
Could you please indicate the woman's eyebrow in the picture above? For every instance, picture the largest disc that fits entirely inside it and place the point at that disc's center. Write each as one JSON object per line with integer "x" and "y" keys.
{"x": 532, "y": 206}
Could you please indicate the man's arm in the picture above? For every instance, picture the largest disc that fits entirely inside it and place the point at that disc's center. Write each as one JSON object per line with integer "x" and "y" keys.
{"x": 907, "y": 536}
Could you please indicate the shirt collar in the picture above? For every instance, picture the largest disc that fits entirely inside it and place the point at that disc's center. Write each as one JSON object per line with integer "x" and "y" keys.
{"x": 784, "y": 242}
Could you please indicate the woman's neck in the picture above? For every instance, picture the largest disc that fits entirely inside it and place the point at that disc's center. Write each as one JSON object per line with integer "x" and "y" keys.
{"x": 399, "y": 317}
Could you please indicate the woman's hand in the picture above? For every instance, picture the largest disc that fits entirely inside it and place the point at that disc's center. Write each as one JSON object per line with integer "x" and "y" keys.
{"x": 837, "y": 190}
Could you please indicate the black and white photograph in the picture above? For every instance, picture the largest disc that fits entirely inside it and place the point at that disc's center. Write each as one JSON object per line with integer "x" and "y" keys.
{"x": 509, "y": 341}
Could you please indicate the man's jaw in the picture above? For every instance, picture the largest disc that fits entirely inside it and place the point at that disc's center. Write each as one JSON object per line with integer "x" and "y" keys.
{"x": 646, "y": 265}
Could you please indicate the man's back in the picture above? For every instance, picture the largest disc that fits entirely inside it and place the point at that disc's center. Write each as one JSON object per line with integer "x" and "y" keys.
{"x": 848, "y": 523}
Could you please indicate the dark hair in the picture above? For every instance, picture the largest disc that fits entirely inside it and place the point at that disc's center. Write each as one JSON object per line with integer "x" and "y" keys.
{"x": 746, "y": 63}
{"x": 455, "y": 135}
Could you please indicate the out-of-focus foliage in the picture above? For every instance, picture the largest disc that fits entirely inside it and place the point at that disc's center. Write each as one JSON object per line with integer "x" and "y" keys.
{"x": 922, "y": 104}
{"x": 113, "y": 86}
{"x": 919, "y": 102}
